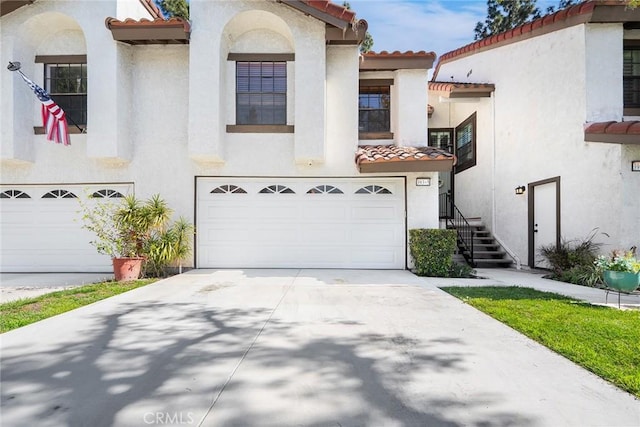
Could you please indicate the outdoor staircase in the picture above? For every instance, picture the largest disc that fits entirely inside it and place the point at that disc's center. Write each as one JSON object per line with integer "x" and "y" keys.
{"x": 476, "y": 245}
{"x": 487, "y": 252}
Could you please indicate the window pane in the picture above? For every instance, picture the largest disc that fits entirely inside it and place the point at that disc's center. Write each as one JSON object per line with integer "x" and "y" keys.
{"x": 67, "y": 85}
{"x": 374, "y": 103}
{"x": 266, "y": 103}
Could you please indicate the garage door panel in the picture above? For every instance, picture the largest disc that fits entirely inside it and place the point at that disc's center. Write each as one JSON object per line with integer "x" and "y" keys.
{"x": 46, "y": 235}
{"x": 301, "y": 229}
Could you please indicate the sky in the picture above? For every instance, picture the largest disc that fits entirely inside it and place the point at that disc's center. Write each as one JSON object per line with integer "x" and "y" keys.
{"x": 431, "y": 25}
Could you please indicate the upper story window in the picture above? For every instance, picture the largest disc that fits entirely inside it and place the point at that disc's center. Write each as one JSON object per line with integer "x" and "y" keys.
{"x": 631, "y": 76}
{"x": 374, "y": 109}
{"x": 65, "y": 79}
{"x": 67, "y": 85}
{"x": 441, "y": 138}
{"x": 261, "y": 93}
{"x": 465, "y": 146}
{"x": 261, "y": 83}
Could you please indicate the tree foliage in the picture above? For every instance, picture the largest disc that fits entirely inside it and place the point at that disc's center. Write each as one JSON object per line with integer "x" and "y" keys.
{"x": 503, "y": 15}
{"x": 174, "y": 8}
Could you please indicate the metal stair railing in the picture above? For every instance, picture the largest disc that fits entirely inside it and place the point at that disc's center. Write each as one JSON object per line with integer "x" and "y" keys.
{"x": 465, "y": 233}
{"x": 445, "y": 205}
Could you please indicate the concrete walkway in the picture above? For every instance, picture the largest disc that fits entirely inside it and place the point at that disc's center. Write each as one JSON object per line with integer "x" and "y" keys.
{"x": 293, "y": 348}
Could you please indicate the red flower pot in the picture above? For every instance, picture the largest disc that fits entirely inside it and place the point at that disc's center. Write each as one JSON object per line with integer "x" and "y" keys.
{"x": 126, "y": 269}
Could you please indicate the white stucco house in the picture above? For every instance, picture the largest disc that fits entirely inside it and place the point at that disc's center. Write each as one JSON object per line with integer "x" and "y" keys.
{"x": 257, "y": 120}
{"x": 544, "y": 121}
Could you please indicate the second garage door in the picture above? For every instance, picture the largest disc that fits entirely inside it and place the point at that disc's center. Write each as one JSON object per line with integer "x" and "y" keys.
{"x": 301, "y": 223}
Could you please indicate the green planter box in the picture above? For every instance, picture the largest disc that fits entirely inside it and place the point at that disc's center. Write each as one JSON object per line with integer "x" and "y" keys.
{"x": 621, "y": 280}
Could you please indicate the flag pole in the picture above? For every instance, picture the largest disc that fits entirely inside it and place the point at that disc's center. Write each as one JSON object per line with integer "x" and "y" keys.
{"x": 54, "y": 118}
{"x": 15, "y": 66}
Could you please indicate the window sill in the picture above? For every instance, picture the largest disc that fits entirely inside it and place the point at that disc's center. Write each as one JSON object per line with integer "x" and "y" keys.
{"x": 631, "y": 111}
{"x": 73, "y": 130}
{"x": 259, "y": 128}
{"x": 375, "y": 135}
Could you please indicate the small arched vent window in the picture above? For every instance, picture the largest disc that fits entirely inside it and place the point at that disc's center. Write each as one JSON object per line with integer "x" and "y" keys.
{"x": 14, "y": 194}
{"x": 228, "y": 189}
{"x": 107, "y": 194}
{"x": 277, "y": 189}
{"x": 373, "y": 189}
{"x": 59, "y": 194}
{"x": 325, "y": 189}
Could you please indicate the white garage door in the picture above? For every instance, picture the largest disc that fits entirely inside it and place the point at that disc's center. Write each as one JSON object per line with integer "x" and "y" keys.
{"x": 300, "y": 223}
{"x": 41, "y": 228}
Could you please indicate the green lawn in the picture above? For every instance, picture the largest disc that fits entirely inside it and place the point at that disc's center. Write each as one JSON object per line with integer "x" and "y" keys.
{"x": 25, "y": 311}
{"x": 605, "y": 341}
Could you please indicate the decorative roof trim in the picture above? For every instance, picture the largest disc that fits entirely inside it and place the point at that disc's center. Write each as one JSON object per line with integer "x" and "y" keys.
{"x": 391, "y": 158}
{"x": 613, "y": 132}
{"x": 463, "y": 90}
{"x": 595, "y": 11}
{"x": 386, "y": 61}
{"x": 144, "y": 31}
{"x": 324, "y": 10}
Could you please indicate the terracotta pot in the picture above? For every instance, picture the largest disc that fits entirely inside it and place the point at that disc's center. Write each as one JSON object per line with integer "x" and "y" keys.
{"x": 126, "y": 269}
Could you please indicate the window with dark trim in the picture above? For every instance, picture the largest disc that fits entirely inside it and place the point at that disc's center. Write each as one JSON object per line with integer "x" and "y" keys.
{"x": 465, "y": 146}
{"x": 374, "y": 109}
{"x": 441, "y": 138}
{"x": 631, "y": 74}
{"x": 67, "y": 85}
{"x": 261, "y": 93}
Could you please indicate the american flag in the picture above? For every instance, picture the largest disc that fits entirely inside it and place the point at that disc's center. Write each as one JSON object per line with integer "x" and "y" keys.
{"x": 54, "y": 120}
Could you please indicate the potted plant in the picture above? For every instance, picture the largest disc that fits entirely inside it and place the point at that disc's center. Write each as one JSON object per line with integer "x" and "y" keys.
{"x": 133, "y": 232}
{"x": 620, "y": 270}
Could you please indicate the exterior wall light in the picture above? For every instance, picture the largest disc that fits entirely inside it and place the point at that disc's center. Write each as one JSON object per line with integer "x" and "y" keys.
{"x": 520, "y": 190}
{"x": 635, "y": 165}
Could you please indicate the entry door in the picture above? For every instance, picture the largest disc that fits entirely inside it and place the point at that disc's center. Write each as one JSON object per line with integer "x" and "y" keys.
{"x": 544, "y": 219}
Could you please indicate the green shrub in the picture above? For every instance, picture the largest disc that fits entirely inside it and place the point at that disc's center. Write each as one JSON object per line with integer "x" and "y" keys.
{"x": 461, "y": 270}
{"x": 432, "y": 251}
{"x": 573, "y": 260}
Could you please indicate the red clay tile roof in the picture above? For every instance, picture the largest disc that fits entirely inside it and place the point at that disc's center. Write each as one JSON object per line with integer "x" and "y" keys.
{"x": 333, "y": 9}
{"x": 461, "y": 87}
{"x": 145, "y": 31}
{"x": 324, "y": 10}
{"x": 398, "y": 54}
{"x": 370, "y": 158}
{"x": 617, "y": 132}
{"x": 573, "y": 15}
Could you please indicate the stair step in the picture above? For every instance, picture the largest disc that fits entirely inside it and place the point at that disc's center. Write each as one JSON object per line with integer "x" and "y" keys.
{"x": 492, "y": 261}
{"x": 496, "y": 252}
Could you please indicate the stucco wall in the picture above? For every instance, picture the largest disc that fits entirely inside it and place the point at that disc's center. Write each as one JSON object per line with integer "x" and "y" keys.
{"x": 158, "y": 114}
{"x": 546, "y": 89}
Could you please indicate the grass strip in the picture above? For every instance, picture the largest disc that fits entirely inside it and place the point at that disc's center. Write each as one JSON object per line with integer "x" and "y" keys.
{"x": 604, "y": 340}
{"x": 16, "y": 314}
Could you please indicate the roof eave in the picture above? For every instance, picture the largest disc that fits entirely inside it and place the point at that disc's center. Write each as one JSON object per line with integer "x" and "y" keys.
{"x": 8, "y": 6}
{"x": 392, "y": 63}
{"x": 431, "y": 165}
{"x": 176, "y": 31}
{"x": 316, "y": 13}
{"x": 613, "y": 138}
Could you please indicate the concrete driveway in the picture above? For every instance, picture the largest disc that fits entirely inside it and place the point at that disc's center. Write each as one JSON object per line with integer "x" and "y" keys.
{"x": 291, "y": 348}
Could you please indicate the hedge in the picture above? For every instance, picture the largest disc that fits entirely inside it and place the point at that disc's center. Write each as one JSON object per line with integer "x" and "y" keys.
{"x": 432, "y": 251}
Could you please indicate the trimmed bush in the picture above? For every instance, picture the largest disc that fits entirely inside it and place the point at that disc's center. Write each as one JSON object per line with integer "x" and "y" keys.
{"x": 432, "y": 251}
